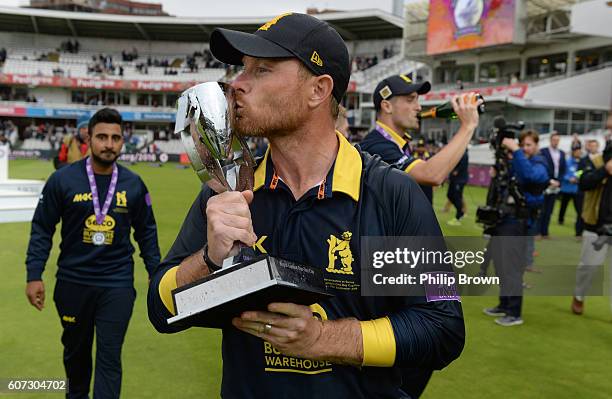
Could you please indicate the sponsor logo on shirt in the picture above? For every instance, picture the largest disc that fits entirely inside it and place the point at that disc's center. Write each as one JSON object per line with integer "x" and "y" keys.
{"x": 121, "y": 198}
{"x": 92, "y": 228}
{"x": 275, "y": 361}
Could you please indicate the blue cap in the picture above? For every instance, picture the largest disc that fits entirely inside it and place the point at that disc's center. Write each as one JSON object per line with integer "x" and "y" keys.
{"x": 83, "y": 121}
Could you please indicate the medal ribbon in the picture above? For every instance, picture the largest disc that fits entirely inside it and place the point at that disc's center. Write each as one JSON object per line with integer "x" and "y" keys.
{"x": 386, "y": 135}
{"x": 101, "y": 214}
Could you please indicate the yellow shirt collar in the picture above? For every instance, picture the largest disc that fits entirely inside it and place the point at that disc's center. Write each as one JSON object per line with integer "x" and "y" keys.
{"x": 398, "y": 138}
{"x": 346, "y": 175}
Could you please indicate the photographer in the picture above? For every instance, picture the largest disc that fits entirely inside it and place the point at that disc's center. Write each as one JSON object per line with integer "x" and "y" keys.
{"x": 521, "y": 185}
{"x": 596, "y": 183}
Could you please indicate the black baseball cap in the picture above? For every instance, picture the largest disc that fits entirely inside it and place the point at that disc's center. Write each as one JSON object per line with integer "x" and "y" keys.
{"x": 397, "y": 85}
{"x": 290, "y": 35}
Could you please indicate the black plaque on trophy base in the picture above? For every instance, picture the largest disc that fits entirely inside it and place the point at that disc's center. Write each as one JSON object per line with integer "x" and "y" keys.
{"x": 214, "y": 300}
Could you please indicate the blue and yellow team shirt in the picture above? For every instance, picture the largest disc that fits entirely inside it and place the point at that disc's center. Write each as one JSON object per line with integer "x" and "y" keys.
{"x": 395, "y": 152}
{"x": 66, "y": 196}
{"x": 360, "y": 196}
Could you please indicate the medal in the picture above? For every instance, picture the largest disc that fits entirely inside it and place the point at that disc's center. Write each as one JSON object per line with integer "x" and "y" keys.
{"x": 98, "y": 238}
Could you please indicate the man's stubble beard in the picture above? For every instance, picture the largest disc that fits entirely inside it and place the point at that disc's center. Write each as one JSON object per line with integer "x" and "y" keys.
{"x": 278, "y": 118}
{"x": 103, "y": 161}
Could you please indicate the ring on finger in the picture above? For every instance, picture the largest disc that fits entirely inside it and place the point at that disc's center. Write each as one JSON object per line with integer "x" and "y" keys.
{"x": 267, "y": 328}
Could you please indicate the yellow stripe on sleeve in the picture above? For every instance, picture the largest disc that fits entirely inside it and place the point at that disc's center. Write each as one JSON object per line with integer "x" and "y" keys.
{"x": 412, "y": 165}
{"x": 166, "y": 285}
{"x": 378, "y": 343}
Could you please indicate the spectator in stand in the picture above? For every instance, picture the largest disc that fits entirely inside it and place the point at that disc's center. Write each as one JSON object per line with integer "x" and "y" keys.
{"x": 74, "y": 146}
{"x": 570, "y": 191}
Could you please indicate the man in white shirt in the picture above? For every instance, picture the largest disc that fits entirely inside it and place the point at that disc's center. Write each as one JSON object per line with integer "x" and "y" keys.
{"x": 555, "y": 158}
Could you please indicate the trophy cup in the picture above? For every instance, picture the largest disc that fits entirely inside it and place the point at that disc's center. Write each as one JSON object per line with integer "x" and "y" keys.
{"x": 223, "y": 160}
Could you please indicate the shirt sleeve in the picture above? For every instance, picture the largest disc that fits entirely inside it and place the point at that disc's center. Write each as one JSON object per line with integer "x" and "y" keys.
{"x": 46, "y": 216}
{"x": 190, "y": 239}
{"x": 145, "y": 229}
{"x": 407, "y": 162}
{"x": 427, "y": 334}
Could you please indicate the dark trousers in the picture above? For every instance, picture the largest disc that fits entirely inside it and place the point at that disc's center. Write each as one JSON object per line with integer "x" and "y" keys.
{"x": 577, "y": 199}
{"x": 508, "y": 246}
{"x": 455, "y": 196}
{"x": 84, "y": 310}
{"x": 547, "y": 210}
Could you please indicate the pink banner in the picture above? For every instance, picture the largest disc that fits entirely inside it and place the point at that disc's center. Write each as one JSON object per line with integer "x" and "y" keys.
{"x": 456, "y": 25}
{"x": 517, "y": 90}
{"x": 94, "y": 83}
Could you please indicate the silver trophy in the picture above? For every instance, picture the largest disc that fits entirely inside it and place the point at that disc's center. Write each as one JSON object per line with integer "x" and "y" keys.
{"x": 222, "y": 159}
{"x": 204, "y": 120}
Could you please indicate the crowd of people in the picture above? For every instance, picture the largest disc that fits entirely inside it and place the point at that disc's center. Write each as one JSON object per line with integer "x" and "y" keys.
{"x": 6, "y": 94}
{"x": 47, "y": 131}
{"x": 564, "y": 187}
{"x": 8, "y": 133}
{"x": 103, "y": 64}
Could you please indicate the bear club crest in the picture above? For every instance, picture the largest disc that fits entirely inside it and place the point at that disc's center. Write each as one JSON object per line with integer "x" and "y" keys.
{"x": 340, "y": 250}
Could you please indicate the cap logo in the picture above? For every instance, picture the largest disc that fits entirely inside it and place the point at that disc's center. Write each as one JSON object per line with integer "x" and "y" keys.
{"x": 385, "y": 92}
{"x": 316, "y": 59}
{"x": 406, "y": 78}
{"x": 274, "y": 20}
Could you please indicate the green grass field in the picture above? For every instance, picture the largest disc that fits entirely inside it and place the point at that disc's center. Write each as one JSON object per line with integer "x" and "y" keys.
{"x": 553, "y": 355}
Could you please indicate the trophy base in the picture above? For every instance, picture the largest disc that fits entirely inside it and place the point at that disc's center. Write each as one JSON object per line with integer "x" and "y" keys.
{"x": 214, "y": 300}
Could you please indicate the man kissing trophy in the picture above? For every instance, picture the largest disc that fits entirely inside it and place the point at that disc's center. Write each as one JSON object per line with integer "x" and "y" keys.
{"x": 223, "y": 161}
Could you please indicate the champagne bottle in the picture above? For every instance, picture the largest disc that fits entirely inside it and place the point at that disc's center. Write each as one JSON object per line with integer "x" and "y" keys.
{"x": 445, "y": 111}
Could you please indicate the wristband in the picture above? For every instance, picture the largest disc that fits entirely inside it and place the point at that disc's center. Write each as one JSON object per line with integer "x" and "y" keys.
{"x": 212, "y": 266}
